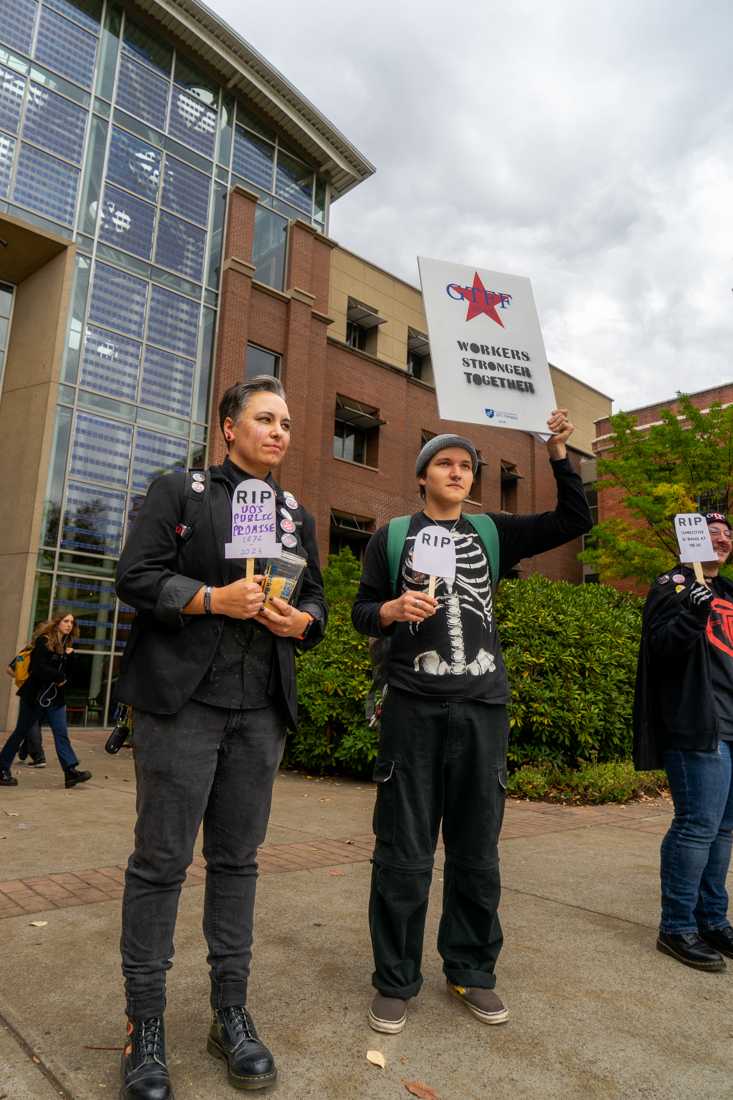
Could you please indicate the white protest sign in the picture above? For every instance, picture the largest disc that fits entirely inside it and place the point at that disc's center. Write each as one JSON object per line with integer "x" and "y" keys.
{"x": 693, "y": 537}
{"x": 434, "y": 553}
{"x": 254, "y": 527}
{"x": 486, "y": 347}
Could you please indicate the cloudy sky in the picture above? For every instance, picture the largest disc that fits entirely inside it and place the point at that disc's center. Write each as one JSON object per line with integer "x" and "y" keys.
{"x": 587, "y": 144}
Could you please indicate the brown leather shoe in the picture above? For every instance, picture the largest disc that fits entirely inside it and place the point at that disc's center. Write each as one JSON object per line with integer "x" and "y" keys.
{"x": 485, "y": 1004}
{"x": 387, "y": 1014}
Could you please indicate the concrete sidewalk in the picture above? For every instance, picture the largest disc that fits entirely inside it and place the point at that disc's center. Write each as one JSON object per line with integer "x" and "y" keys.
{"x": 596, "y": 1011}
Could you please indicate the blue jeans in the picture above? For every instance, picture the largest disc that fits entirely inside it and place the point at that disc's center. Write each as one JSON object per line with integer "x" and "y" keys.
{"x": 30, "y": 714}
{"x": 696, "y": 850}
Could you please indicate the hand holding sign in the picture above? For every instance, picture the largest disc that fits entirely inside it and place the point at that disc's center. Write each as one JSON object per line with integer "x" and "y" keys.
{"x": 694, "y": 541}
{"x": 435, "y": 555}
{"x": 254, "y": 528}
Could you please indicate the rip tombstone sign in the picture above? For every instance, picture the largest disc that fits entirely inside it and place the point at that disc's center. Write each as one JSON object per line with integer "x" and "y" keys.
{"x": 434, "y": 554}
{"x": 254, "y": 524}
{"x": 693, "y": 539}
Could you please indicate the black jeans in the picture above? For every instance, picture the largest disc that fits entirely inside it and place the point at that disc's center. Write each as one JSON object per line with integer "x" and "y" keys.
{"x": 437, "y": 760}
{"x": 203, "y": 764}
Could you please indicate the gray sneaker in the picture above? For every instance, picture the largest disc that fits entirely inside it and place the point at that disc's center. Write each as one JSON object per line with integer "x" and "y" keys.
{"x": 387, "y": 1014}
{"x": 485, "y": 1004}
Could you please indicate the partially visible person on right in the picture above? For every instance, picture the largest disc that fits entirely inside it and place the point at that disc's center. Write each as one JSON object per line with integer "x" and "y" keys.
{"x": 683, "y": 722}
{"x": 42, "y": 699}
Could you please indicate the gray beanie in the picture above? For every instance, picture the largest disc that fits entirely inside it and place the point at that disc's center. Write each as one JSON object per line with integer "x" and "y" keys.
{"x": 440, "y": 443}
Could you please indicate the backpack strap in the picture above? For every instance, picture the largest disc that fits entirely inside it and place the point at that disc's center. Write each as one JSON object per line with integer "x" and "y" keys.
{"x": 396, "y": 535}
{"x": 485, "y": 528}
{"x": 192, "y": 500}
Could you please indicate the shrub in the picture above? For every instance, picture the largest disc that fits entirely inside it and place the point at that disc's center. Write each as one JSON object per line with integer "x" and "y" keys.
{"x": 333, "y": 681}
{"x": 570, "y": 652}
{"x": 617, "y": 781}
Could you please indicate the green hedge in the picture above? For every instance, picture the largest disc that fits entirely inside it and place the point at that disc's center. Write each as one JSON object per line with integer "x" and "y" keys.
{"x": 570, "y": 652}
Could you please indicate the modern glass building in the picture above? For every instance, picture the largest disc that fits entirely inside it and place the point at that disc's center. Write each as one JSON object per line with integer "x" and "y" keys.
{"x": 122, "y": 135}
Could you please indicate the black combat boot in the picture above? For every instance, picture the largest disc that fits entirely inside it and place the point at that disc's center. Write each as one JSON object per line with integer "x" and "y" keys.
{"x": 144, "y": 1070}
{"x": 72, "y": 776}
{"x": 233, "y": 1038}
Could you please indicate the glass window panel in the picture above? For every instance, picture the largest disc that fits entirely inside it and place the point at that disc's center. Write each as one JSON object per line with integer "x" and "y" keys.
{"x": 259, "y": 361}
{"x": 112, "y": 406}
{"x": 126, "y": 222}
{"x": 11, "y": 99}
{"x": 66, "y": 48}
{"x": 110, "y": 364}
{"x": 253, "y": 158}
{"x": 125, "y": 616}
{"x": 92, "y": 181}
{"x": 134, "y": 164}
{"x": 92, "y": 602}
{"x": 55, "y": 486}
{"x": 86, "y": 12}
{"x": 142, "y": 92}
{"x": 6, "y": 299}
{"x": 216, "y": 234}
{"x": 46, "y": 185}
{"x": 192, "y": 122}
{"x": 100, "y": 450}
{"x": 156, "y": 454}
{"x": 294, "y": 182}
{"x": 180, "y": 245}
{"x": 16, "y": 23}
{"x": 319, "y": 212}
{"x": 41, "y": 602}
{"x": 186, "y": 191}
{"x": 108, "y": 52}
{"x": 153, "y": 50}
{"x": 60, "y": 84}
{"x": 167, "y": 382}
{"x": 253, "y": 123}
{"x": 7, "y": 152}
{"x": 268, "y": 249}
{"x": 78, "y": 309}
{"x": 118, "y": 300}
{"x": 194, "y": 81}
{"x": 206, "y": 359}
{"x": 226, "y": 131}
{"x": 173, "y": 322}
{"x": 54, "y": 123}
{"x": 92, "y": 519}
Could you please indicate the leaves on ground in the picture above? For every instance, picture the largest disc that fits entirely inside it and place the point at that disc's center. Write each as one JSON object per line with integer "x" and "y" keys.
{"x": 376, "y": 1058}
{"x": 421, "y": 1090}
{"x": 39, "y": 923}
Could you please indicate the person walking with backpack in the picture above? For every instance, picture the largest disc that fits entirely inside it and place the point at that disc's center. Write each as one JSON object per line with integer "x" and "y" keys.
{"x": 444, "y": 725}
{"x": 33, "y": 745}
{"x": 42, "y": 699}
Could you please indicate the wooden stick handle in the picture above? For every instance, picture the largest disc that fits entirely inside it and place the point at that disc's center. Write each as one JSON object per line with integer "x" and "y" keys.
{"x": 431, "y": 586}
{"x": 249, "y": 569}
{"x": 697, "y": 566}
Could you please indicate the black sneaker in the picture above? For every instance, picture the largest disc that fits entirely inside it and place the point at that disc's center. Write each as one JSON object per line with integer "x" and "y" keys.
{"x": 233, "y": 1038}
{"x": 74, "y": 776}
{"x": 719, "y": 938}
{"x": 40, "y": 763}
{"x": 690, "y": 949}
{"x": 7, "y": 779}
{"x": 144, "y": 1070}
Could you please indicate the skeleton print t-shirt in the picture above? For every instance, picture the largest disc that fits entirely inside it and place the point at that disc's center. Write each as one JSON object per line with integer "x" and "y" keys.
{"x": 456, "y": 652}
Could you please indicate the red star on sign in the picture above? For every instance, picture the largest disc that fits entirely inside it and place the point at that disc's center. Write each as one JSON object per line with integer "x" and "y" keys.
{"x": 481, "y": 300}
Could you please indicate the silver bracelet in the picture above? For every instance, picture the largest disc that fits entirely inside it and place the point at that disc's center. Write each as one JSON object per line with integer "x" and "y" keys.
{"x": 207, "y": 600}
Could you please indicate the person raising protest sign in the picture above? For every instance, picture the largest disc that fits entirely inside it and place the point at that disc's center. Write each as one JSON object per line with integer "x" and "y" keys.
{"x": 444, "y": 724}
{"x": 683, "y": 722}
{"x": 210, "y": 672}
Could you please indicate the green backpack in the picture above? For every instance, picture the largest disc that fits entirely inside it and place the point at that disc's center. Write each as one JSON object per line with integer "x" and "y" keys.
{"x": 483, "y": 525}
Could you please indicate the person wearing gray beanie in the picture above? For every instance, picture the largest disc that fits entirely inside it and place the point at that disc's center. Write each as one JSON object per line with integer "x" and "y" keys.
{"x": 444, "y": 725}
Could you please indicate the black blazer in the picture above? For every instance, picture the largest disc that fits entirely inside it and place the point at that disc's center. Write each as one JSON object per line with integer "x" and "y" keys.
{"x": 175, "y": 547}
